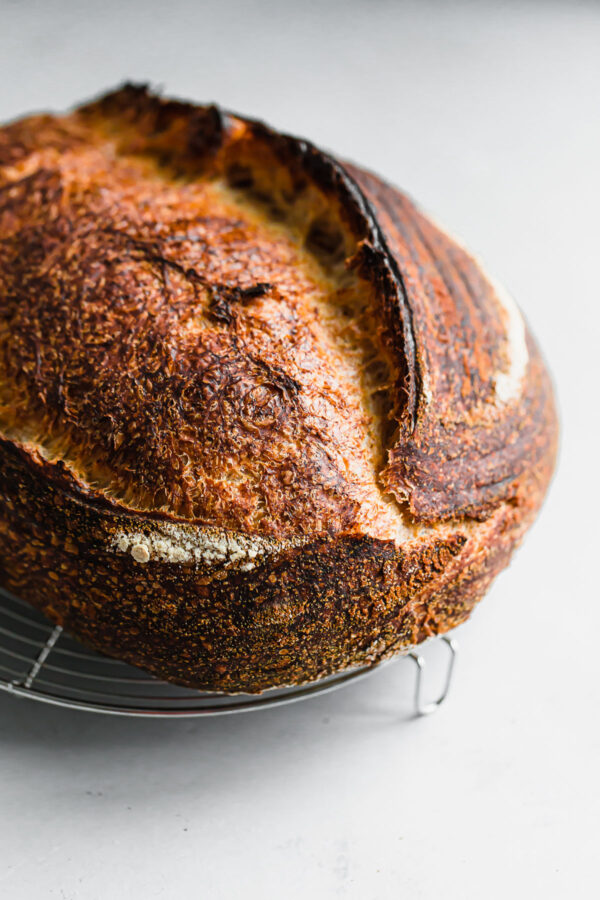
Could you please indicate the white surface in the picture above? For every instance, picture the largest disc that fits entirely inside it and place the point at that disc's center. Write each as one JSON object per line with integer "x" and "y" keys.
{"x": 488, "y": 115}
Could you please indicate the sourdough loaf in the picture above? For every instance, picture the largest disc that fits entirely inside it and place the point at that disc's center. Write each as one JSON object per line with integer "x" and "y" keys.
{"x": 261, "y": 420}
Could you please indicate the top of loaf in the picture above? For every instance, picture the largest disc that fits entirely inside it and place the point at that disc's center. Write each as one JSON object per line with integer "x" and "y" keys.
{"x": 206, "y": 320}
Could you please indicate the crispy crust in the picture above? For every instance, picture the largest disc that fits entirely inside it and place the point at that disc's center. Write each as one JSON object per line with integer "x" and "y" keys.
{"x": 260, "y": 419}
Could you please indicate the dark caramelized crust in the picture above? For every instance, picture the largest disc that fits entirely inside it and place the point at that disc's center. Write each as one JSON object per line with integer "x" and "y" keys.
{"x": 260, "y": 419}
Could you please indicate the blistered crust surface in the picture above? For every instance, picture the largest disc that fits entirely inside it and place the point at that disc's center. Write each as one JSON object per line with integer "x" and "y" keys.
{"x": 260, "y": 419}
{"x": 212, "y": 320}
{"x": 180, "y": 349}
{"x": 301, "y": 614}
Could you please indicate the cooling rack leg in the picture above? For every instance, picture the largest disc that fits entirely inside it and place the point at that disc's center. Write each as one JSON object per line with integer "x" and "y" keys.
{"x": 42, "y": 657}
{"x": 421, "y": 707}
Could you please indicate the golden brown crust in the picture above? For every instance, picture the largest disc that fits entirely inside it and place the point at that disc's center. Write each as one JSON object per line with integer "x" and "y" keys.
{"x": 465, "y": 439}
{"x": 260, "y": 419}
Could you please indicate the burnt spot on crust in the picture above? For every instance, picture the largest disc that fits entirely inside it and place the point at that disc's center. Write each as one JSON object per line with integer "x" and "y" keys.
{"x": 224, "y": 298}
{"x": 205, "y": 131}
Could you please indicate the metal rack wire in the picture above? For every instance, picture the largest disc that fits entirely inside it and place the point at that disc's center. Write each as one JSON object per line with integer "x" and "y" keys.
{"x": 41, "y": 662}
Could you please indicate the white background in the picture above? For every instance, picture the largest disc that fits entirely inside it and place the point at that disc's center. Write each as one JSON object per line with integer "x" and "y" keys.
{"x": 488, "y": 115}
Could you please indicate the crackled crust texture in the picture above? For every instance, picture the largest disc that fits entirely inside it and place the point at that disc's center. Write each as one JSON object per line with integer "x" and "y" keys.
{"x": 260, "y": 419}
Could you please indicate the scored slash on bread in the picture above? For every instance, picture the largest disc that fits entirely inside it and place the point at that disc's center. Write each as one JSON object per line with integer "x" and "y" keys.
{"x": 260, "y": 419}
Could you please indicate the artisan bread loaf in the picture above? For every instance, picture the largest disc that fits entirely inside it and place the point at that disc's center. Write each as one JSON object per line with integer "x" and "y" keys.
{"x": 260, "y": 419}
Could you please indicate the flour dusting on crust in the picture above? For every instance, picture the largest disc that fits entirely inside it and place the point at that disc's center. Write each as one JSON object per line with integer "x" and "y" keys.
{"x": 508, "y": 383}
{"x": 197, "y": 545}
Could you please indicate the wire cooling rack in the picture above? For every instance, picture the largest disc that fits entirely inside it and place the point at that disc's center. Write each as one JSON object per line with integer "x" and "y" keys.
{"x": 40, "y": 661}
